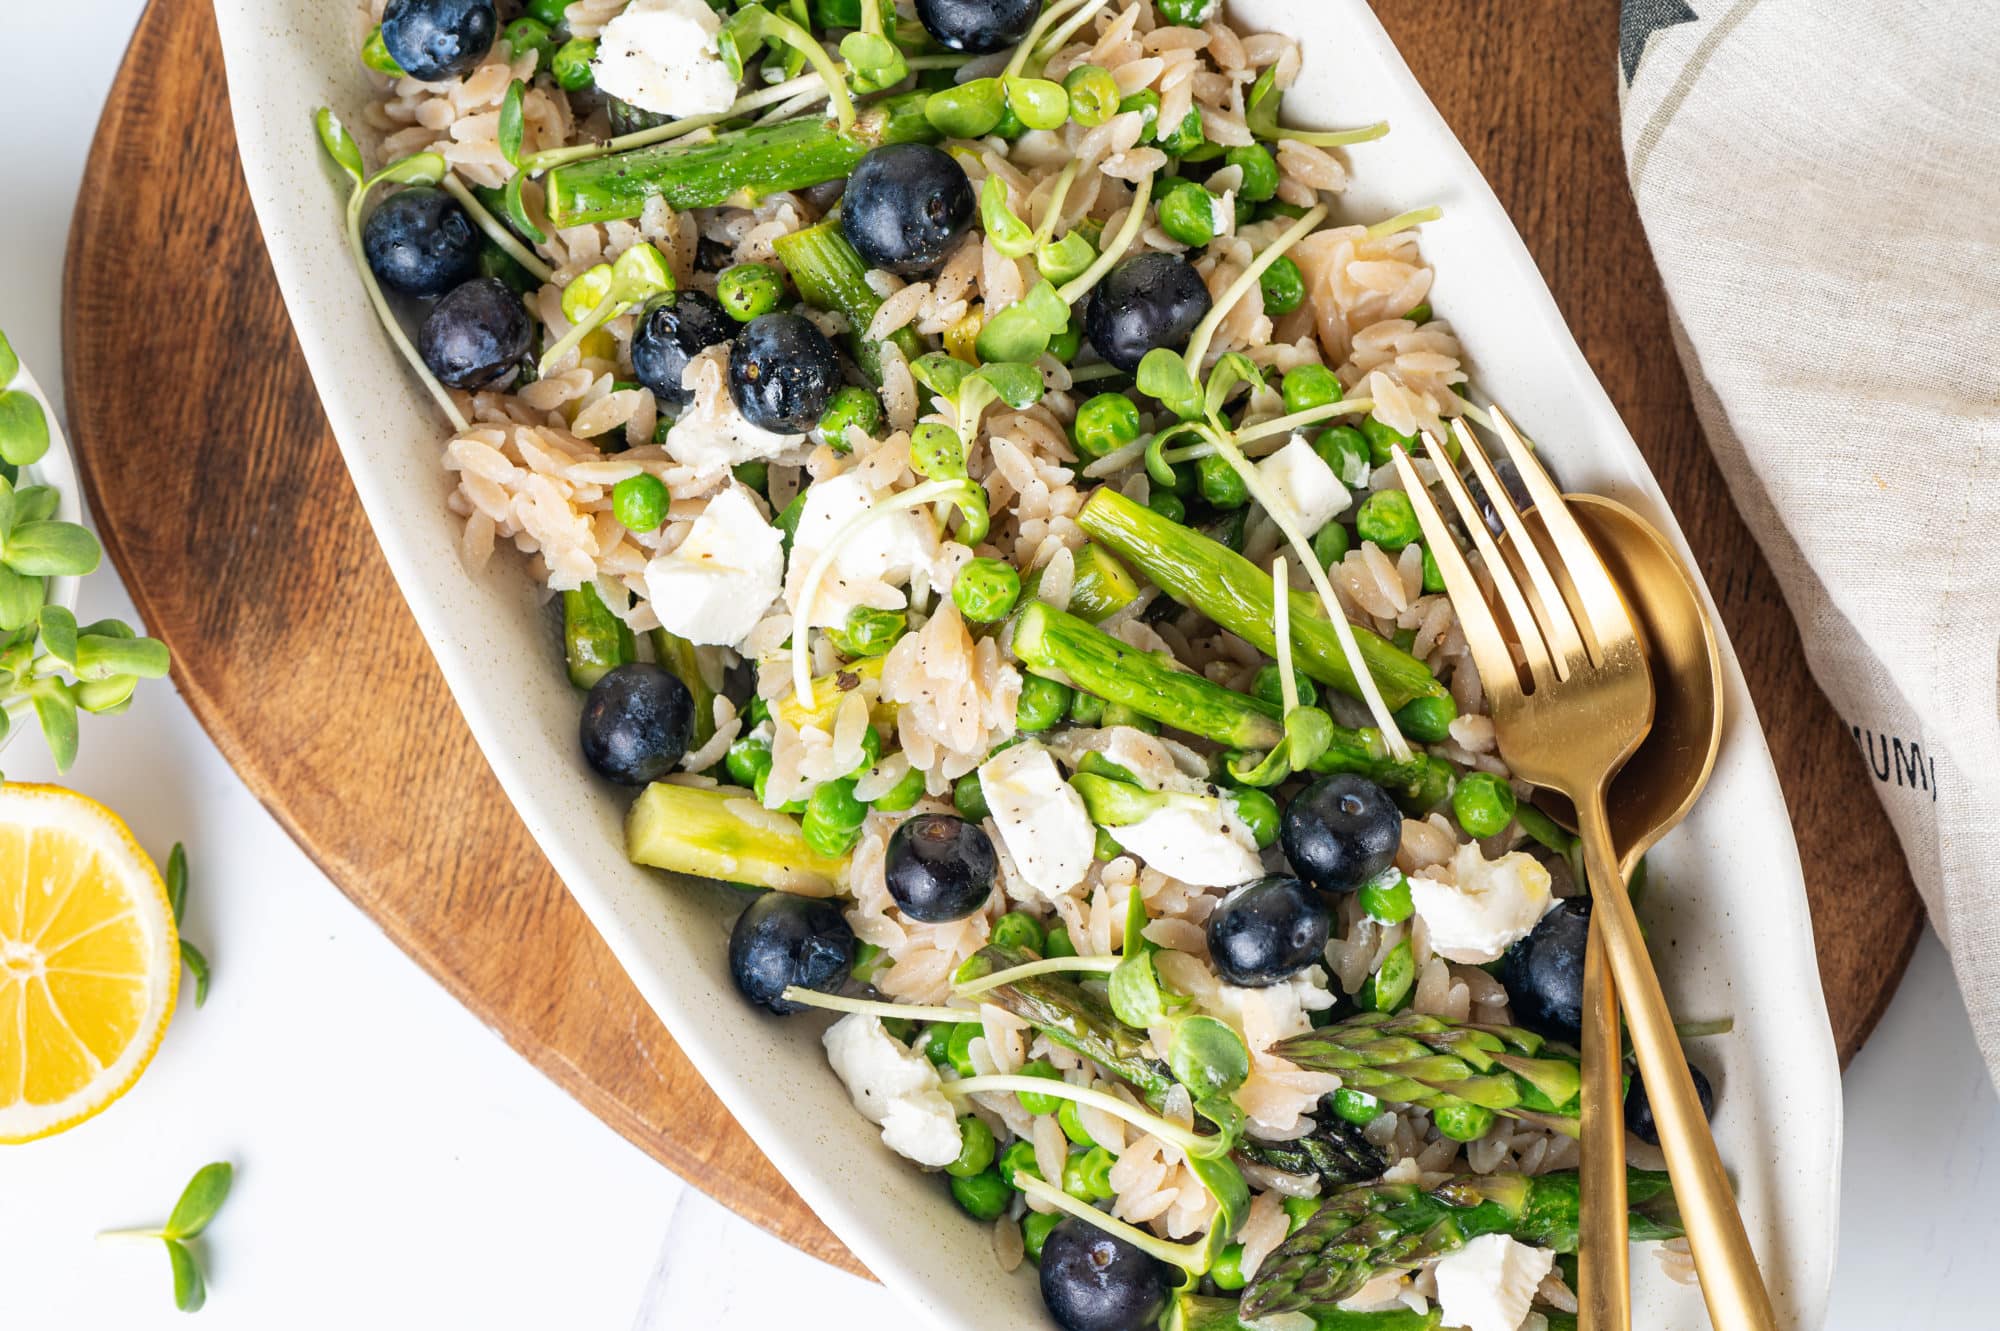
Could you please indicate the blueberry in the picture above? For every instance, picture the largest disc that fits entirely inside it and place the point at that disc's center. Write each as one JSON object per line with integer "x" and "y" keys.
{"x": 672, "y": 330}
{"x": 940, "y": 867}
{"x": 1154, "y": 300}
{"x": 782, "y": 372}
{"x": 905, "y": 205}
{"x": 1341, "y": 831}
{"x": 1268, "y": 931}
{"x": 420, "y": 242}
{"x": 1639, "y": 1110}
{"x": 1543, "y": 973}
{"x": 439, "y": 39}
{"x": 477, "y": 335}
{"x": 976, "y": 27}
{"x": 1094, "y": 1281}
{"x": 636, "y": 723}
{"x": 781, "y": 939}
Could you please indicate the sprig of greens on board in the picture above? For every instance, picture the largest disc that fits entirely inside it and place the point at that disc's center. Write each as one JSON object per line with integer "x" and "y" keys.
{"x": 177, "y": 886}
{"x": 197, "y": 1206}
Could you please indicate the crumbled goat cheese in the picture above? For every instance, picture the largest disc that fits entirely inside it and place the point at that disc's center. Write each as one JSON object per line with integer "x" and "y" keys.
{"x": 1204, "y": 845}
{"x": 1490, "y": 905}
{"x": 1042, "y": 821}
{"x": 1488, "y": 1284}
{"x": 867, "y": 567}
{"x": 895, "y": 1089}
{"x": 712, "y": 436}
{"x": 663, "y": 56}
{"x": 1303, "y": 480}
{"x": 715, "y": 586}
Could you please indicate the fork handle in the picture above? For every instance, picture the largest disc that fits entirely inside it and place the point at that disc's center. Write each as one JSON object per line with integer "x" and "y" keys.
{"x": 1604, "y": 1254}
{"x": 1730, "y": 1283}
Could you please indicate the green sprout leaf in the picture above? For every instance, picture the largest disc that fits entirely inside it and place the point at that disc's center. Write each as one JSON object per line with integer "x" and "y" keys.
{"x": 971, "y": 110}
{"x": 1039, "y": 103}
{"x": 190, "y": 1292}
{"x": 1230, "y": 373}
{"x": 99, "y": 657}
{"x": 10, "y": 364}
{"x": 1165, "y": 376}
{"x": 1021, "y": 332}
{"x": 515, "y": 209}
{"x": 20, "y": 599}
{"x": 24, "y": 428}
{"x": 1061, "y": 260}
{"x": 936, "y": 453}
{"x": 875, "y": 60}
{"x": 511, "y": 127}
{"x": 1006, "y": 231}
{"x": 416, "y": 169}
{"x": 1208, "y": 1057}
{"x": 1308, "y": 734}
{"x": 1019, "y": 386}
{"x": 59, "y": 634}
{"x": 34, "y": 503}
{"x": 197, "y": 965}
{"x": 177, "y": 879}
{"x": 51, "y": 549}
{"x": 1261, "y": 106}
{"x": 201, "y": 1199}
{"x": 56, "y": 711}
{"x": 339, "y": 144}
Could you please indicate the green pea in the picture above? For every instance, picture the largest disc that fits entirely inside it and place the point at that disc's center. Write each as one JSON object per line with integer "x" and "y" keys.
{"x": 969, "y": 798}
{"x": 1018, "y": 931}
{"x": 1187, "y": 213}
{"x": 1330, "y": 544}
{"x": 1345, "y": 449}
{"x": 1260, "y": 172}
{"x": 1042, "y": 704}
{"x": 869, "y": 632}
{"x": 1168, "y": 505}
{"x": 756, "y": 475}
{"x": 1186, "y": 137}
{"x": 1357, "y": 1107}
{"x": 758, "y": 712}
{"x": 936, "y": 1045}
{"x": 1071, "y": 1123}
{"x": 1059, "y": 944}
{"x": 571, "y": 64}
{"x": 986, "y": 589}
{"x": 640, "y": 502}
{"x": 1419, "y": 313}
{"x": 1279, "y": 208}
{"x": 1483, "y": 804}
{"x": 1433, "y": 575}
{"x": 1258, "y": 811}
{"x": 1388, "y": 901}
{"x": 1087, "y": 1175}
{"x": 1310, "y": 386}
{"x": 1284, "y": 287}
{"x": 1035, "y": 1227}
{"x": 1227, "y": 1269}
{"x": 983, "y": 1196}
{"x": 1426, "y": 719}
{"x": 833, "y": 817}
{"x": 1219, "y": 483}
{"x": 1185, "y": 13}
{"x": 904, "y": 794}
{"x": 1269, "y": 686}
{"x": 1301, "y": 1209}
{"x": 1382, "y": 440}
{"x": 958, "y": 1047}
{"x": 1118, "y": 714}
{"x": 899, "y": 1028}
{"x": 871, "y": 751}
{"x": 526, "y": 34}
{"x": 1018, "y": 1159}
{"x": 548, "y": 11}
{"x": 1093, "y": 94}
{"x": 376, "y": 56}
{"x": 870, "y": 962}
{"x": 1009, "y": 126}
{"x": 748, "y": 290}
{"x": 1462, "y": 1121}
{"x": 1086, "y": 709}
{"x": 1104, "y": 424}
{"x": 1064, "y": 345}
{"x": 1388, "y": 519}
{"x": 747, "y": 760}
{"x": 850, "y": 406}
{"x": 1034, "y": 1101}
{"x": 975, "y": 1148}
{"x": 1147, "y": 103}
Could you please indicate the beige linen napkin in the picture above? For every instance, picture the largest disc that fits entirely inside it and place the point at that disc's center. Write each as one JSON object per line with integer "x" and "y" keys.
{"x": 1820, "y": 181}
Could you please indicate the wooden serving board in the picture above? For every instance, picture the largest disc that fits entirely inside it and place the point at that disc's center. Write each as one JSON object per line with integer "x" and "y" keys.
{"x": 223, "y": 500}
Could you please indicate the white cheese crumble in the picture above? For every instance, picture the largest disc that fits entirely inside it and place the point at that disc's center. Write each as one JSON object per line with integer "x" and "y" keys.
{"x": 895, "y": 1089}
{"x": 1488, "y": 1284}
{"x": 712, "y": 436}
{"x": 1302, "y": 480}
{"x": 663, "y": 56}
{"x": 1148, "y": 758}
{"x": 715, "y": 586}
{"x": 1042, "y": 821}
{"x": 1205, "y": 845}
{"x": 1490, "y": 905}
{"x": 867, "y": 567}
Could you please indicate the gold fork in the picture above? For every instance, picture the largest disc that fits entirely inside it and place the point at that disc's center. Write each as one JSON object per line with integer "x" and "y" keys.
{"x": 1586, "y": 707}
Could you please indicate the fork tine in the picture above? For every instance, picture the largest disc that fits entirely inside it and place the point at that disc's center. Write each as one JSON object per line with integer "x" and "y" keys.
{"x": 1505, "y": 580}
{"x": 1545, "y": 594}
{"x": 1605, "y": 620}
{"x": 1482, "y": 632}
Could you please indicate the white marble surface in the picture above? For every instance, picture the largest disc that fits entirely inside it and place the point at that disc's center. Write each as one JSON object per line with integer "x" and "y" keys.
{"x": 399, "y": 1166}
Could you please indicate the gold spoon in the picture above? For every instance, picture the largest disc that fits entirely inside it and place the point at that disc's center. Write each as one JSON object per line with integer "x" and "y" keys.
{"x": 1648, "y": 797}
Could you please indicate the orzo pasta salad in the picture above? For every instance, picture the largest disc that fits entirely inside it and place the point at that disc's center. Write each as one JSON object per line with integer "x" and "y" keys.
{"x": 959, "y": 435}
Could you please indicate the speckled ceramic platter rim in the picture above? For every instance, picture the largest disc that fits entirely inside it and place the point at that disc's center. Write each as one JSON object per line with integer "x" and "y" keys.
{"x": 1729, "y": 919}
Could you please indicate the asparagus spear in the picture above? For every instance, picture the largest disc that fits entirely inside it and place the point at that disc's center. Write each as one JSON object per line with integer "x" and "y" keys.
{"x": 739, "y": 167}
{"x": 1198, "y": 1312}
{"x": 1335, "y": 1150}
{"x": 1074, "y": 1018}
{"x": 594, "y": 640}
{"x": 722, "y": 832}
{"x": 830, "y": 275}
{"x": 1433, "y": 1063}
{"x": 1209, "y": 577}
{"x": 1102, "y": 587}
{"x": 676, "y": 654}
{"x": 1376, "y": 1227}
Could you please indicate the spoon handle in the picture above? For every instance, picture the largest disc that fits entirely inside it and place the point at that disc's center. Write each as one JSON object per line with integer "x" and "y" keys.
{"x": 1604, "y": 1257}
{"x": 1730, "y": 1283}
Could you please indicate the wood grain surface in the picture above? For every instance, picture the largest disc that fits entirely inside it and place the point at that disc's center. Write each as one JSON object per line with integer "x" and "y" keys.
{"x": 224, "y": 503}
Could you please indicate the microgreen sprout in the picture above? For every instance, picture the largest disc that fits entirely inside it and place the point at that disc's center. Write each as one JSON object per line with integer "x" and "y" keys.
{"x": 1261, "y": 118}
{"x": 24, "y": 427}
{"x": 639, "y": 274}
{"x": 1005, "y": 231}
{"x": 105, "y": 661}
{"x": 1114, "y": 249}
{"x": 177, "y": 884}
{"x": 753, "y": 26}
{"x": 967, "y": 988}
{"x": 1191, "y": 1143}
{"x": 1021, "y": 332}
{"x": 868, "y": 1007}
{"x": 496, "y": 231}
{"x": 873, "y": 60}
{"x": 1193, "y": 1257}
{"x": 1308, "y": 730}
{"x": 198, "y": 1203}
{"x": 420, "y": 169}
